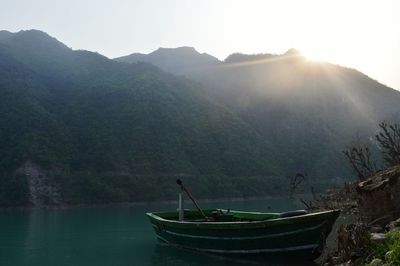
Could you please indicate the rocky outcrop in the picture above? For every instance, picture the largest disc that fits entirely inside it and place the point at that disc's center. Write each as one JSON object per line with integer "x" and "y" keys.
{"x": 41, "y": 191}
{"x": 379, "y": 196}
{"x": 377, "y": 217}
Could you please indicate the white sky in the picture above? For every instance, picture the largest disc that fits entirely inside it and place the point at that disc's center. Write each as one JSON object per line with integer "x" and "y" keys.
{"x": 360, "y": 34}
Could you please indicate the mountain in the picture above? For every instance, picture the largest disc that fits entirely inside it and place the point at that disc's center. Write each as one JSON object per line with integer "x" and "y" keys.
{"x": 181, "y": 60}
{"x": 5, "y": 35}
{"x": 78, "y": 127}
{"x": 310, "y": 111}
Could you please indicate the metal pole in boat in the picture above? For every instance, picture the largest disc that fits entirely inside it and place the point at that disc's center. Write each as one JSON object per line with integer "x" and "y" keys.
{"x": 183, "y": 188}
{"x": 180, "y": 208}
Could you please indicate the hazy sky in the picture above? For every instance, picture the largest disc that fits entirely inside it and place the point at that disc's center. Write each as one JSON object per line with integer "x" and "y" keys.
{"x": 359, "y": 34}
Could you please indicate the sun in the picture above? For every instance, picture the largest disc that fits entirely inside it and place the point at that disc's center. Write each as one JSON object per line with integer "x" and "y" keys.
{"x": 314, "y": 55}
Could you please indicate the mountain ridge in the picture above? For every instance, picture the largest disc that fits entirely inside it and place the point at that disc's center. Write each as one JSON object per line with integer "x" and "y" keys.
{"x": 189, "y": 59}
{"x": 264, "y": 88}
{"x": 106, "y": 131}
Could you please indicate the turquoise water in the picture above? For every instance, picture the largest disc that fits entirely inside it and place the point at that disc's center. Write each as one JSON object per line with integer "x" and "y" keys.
{"x": 113, "y": 235}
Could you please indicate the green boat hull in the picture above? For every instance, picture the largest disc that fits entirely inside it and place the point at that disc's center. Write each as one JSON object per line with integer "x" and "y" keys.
{"x": 246, "y": 232}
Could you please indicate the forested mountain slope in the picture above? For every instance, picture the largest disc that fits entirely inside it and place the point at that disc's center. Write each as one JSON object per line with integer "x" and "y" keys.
{"x": 99, "y": 130}
{"x": 309, "y": 110}
{"x": 77, "y": 127}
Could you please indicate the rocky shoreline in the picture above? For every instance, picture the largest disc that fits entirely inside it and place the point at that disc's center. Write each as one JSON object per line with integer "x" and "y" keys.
{"x": 374, "y": 238}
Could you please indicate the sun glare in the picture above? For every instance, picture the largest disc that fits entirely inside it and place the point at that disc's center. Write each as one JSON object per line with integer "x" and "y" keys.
{"x": 314, "y": 56}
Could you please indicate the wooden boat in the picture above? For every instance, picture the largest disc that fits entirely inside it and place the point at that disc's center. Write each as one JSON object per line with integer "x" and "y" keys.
{"x": 239, "y": 232}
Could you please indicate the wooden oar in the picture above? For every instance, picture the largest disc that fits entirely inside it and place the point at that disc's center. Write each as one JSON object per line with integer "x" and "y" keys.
{"x": 179, "y": 182}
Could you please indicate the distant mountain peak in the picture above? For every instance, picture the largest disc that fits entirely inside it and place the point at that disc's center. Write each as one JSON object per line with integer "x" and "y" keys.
{"x": 179, "y": 60}
{"x": 37, "y": 38}
{"x": 239, "y": 57}
{"x": 181, "y": 48}
{"x": 5, "y": 35}
{"x": 5, "y": 32}
{"x": 180, "y": 51}
{"x": 293, "y": 51}
{"x": 33, "y": 31}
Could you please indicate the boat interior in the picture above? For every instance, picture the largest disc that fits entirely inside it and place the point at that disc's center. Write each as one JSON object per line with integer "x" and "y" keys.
{"x": 225, "y": 215}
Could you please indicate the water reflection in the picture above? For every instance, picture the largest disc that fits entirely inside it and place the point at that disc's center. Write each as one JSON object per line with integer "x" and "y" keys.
{"x": 170, "y": 256}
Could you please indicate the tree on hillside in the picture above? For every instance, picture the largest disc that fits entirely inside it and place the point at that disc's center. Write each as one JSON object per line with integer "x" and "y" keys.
{"x": 361, "y": 162}
{"x": 388, "y": 140}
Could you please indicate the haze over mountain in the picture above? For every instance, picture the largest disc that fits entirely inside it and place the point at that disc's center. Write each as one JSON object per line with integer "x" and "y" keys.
{"x": 309, "y": 110}
{"x": 78, "y": 127}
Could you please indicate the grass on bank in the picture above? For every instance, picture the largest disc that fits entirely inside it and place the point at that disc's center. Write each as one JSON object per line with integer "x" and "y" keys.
{"x": 392, "y": 244}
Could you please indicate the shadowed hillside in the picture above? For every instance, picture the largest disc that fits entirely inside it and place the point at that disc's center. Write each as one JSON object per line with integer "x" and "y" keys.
{"x": 310, "y": 111}
{"x": 100, "y": 131}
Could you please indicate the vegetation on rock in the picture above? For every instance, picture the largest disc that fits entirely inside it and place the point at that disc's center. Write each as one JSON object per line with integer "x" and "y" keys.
{"x": 374, "y": 239}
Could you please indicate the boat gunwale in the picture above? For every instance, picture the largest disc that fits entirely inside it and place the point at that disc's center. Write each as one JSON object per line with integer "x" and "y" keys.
{"x": 266, "y": 221}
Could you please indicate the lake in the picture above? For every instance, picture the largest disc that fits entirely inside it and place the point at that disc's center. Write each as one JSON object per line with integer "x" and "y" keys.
{"x": 112, "y": 235}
